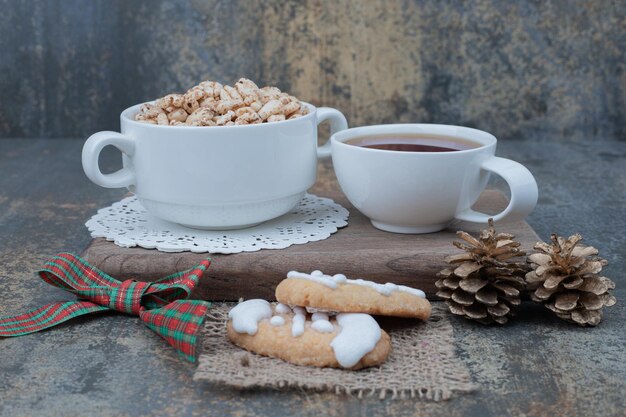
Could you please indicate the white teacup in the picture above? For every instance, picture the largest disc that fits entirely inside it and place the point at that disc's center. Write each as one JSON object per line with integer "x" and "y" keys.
{"x": 422, "y": 192}
{"x": 226, "y": 177}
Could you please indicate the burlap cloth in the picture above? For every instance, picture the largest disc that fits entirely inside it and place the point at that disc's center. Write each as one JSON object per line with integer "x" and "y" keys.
{"x": 422, "y": 365}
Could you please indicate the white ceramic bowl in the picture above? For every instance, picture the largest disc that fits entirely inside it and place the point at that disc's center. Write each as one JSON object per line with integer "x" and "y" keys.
{"x": 218, "y": 177}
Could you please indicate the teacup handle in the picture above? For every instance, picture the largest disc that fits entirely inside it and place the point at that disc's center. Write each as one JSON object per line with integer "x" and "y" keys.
{"x": 523, "y": 188}
{"x": 337, "y": 122}
{"x": 91, "y": 151}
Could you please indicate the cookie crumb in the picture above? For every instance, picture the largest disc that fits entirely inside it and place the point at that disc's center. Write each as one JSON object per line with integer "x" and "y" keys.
{"x": 244, "y": 360}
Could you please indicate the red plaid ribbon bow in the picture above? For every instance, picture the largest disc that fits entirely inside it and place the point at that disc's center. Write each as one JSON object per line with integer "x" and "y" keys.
{"x": 161, "y": 305}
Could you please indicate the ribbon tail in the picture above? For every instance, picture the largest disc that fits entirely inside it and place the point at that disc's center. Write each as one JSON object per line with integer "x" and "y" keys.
{"x": 178, "y": 323}
{"x": 45, "y": 317}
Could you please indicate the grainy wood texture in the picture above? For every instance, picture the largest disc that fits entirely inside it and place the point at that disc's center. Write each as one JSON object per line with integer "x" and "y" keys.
{"x": 111, "y": 365}
{"x": 359, "y": 251}
{"x": 523, "y": 69}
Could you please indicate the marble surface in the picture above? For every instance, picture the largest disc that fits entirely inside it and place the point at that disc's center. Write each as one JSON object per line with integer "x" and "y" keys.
{"x": 522, "y": 70}
{"x": 112, "y": 365}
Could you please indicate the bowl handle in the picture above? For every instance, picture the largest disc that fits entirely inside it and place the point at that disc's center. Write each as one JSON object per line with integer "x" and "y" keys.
{"x": 337, "y": 122}
{"x": 91, "y": 151}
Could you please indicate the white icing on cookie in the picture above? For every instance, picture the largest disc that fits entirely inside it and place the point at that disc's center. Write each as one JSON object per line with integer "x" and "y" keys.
{"x": 340, "y": 278}
{"x": 358, "y": 335}
{"x": 319, "y": 278}
{"x": 283, "y": 308}
{"x": 320, "y": 310}
{"x": 323, "y": 326}
{"x": 319, "y": 316}
{"x": 333, "y": 281}
{"x": 246, "y": 316}
{"x": 388, "y": 288}
{"x": 277, "y": 321}
{"x": 297, "y": 323}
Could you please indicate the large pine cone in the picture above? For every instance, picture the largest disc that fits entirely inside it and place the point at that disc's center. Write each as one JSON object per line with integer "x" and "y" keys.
{"x": 565, "y": 278}
{"x": 484, "y": 284}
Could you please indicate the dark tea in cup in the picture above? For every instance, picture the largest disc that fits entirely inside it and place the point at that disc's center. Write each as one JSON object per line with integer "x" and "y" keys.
{"x": 413, "y": 143}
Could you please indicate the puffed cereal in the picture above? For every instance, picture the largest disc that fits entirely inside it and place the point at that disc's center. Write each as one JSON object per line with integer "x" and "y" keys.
{"x": 212, "y": 104}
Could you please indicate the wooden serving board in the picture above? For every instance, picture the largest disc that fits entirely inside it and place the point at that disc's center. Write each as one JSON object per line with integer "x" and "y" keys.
{"x": 358, "y": 251}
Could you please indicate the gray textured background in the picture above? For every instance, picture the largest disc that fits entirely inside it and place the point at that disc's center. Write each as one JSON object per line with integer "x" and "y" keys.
{"x": 523, "y": 69}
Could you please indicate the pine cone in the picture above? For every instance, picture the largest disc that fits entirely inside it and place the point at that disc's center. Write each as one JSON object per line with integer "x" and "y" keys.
{"x": 484, "y": 284}
{"x": 565, "y": 278}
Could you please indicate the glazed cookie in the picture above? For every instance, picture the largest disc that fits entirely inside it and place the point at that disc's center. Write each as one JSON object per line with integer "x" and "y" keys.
{"x": 319, "y": 292}
{"x": 351, "y": 341}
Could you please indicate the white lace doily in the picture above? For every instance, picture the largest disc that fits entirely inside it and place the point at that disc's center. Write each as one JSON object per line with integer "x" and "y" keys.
{"x": 128, "y": 224}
